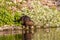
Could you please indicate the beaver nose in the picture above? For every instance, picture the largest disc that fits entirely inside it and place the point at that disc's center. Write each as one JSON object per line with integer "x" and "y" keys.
{"x": 29, "y": 23}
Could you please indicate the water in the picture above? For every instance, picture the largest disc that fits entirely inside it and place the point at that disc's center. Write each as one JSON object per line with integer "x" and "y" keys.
{"x": 41, "y": 34}
{"x": 11, "y": 37}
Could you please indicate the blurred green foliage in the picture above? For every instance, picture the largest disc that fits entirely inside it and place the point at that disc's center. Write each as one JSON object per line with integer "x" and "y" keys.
{"x": 5, "y": 17}
{"x": 41, "y": 15}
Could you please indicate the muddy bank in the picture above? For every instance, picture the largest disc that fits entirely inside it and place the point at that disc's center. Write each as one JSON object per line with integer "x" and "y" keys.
{"x": 6, "y": 30}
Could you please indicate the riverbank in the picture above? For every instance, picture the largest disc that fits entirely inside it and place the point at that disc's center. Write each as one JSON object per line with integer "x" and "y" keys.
{"x": 7, "y": 30}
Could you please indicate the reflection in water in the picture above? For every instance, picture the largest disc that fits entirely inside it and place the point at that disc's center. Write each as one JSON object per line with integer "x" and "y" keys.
{"x": 11, "y": 37}
{"x": 41, "y": 34}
